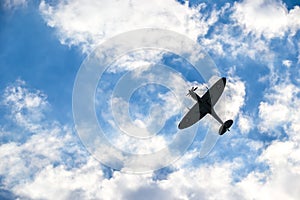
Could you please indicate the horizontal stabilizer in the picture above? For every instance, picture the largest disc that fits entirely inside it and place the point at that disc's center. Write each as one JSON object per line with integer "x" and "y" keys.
{"x": 225, "y": 127}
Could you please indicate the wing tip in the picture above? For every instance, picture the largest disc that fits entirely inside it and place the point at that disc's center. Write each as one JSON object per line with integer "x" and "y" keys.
{"x": 224, "y": 80}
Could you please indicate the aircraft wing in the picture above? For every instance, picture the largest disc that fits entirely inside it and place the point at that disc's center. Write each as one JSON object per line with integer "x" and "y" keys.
{"x": 194, "y": 115}
{"x": 214, "y": 93}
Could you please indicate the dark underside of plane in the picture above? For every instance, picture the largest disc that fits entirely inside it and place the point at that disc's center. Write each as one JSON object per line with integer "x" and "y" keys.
{"x": 205, "y": 105}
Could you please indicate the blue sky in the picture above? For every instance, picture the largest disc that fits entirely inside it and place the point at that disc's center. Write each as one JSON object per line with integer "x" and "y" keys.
{"x": 255, "y": 44}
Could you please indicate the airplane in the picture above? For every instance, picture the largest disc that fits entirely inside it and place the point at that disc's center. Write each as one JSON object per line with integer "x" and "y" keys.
{"x": 205, "y": 105}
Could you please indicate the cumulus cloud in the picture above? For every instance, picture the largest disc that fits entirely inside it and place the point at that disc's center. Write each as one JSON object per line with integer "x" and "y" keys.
{"x": 282, "y": 158}
{"x": 39, "y": 169}
{"x": 88, "y": 23}
{"x": 26, "y": 107}
{"x": 245, "y": 123}
{"x": 252, "y": 26}
{"x": 20, "y": 161}
{"x": 206, "y": 182}
{"x": 267, "y": 18}
{"x": 280, "y": 108}
{"x": 227, "y": 41}
{"x": 62, "y": 183}
{"x": 48, "y": 142}
{"x": 278, "y": 115}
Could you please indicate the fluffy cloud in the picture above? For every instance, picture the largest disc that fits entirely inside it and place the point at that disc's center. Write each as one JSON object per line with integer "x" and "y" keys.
{"x": 62, "y": 183}
{"x": 250, "y": 28}
{"x": 40, "y": 168}
{"x": 278, "y": 115}
{"x": 50, "y": 164}
{"x": 267, "y": 18}
{"x": 283, "y": 176}
{"x": 245, "y": 123}
{"x": 43, "y": 143}
{"x": 192, "y": 183}
{"x": 88, "y": 23}
{"x": 227, "y": 41}
{"x": 26, "y": 107}
{"x": 280, "y": 108}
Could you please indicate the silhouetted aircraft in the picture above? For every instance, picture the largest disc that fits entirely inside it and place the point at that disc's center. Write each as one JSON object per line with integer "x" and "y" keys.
{"x": 204, "y": 105}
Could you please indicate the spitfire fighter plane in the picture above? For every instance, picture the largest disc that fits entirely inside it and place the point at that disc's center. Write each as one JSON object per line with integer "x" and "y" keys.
{"x": 205, "y": 105}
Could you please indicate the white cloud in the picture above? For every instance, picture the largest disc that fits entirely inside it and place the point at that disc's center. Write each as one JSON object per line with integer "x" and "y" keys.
{"x": 137, "y": 61}
{"x": 280, "y": 108}
{"x": 26, "y": 107}
{"x": 206, "y": 182}
{"x": 251, "y": 26}
{"x": 267, "y": 18}
{"x": 245, "y": 123}
{"x": 88, "y": 23}
{"x": 278, "y": 115}
{"x": 282, "y": 178}
{"x": 48, "y": 142}
{"x": 287, "y": 63}
{"x": 226, "y": 40}
{"x": 29, "y": 171}
{"x": 129, "y": 138}
{"x": 234, "y": 96}
{"x": 20, "y": 161}
{"x": 62, "y": 183}
{"x": 144, "y": 139}
{"x": 232, "y": 99}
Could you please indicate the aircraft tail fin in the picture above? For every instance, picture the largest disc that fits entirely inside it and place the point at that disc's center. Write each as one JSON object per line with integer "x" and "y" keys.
{"x": 225, "y": 126}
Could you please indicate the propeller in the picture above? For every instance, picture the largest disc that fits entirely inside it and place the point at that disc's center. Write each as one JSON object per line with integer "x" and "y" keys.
{"x": 193, "y": 89}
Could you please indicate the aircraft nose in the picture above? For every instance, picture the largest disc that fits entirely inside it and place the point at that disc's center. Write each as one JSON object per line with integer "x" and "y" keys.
{"x": 224, "y": 80}
{"x": 179, "y": 125}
